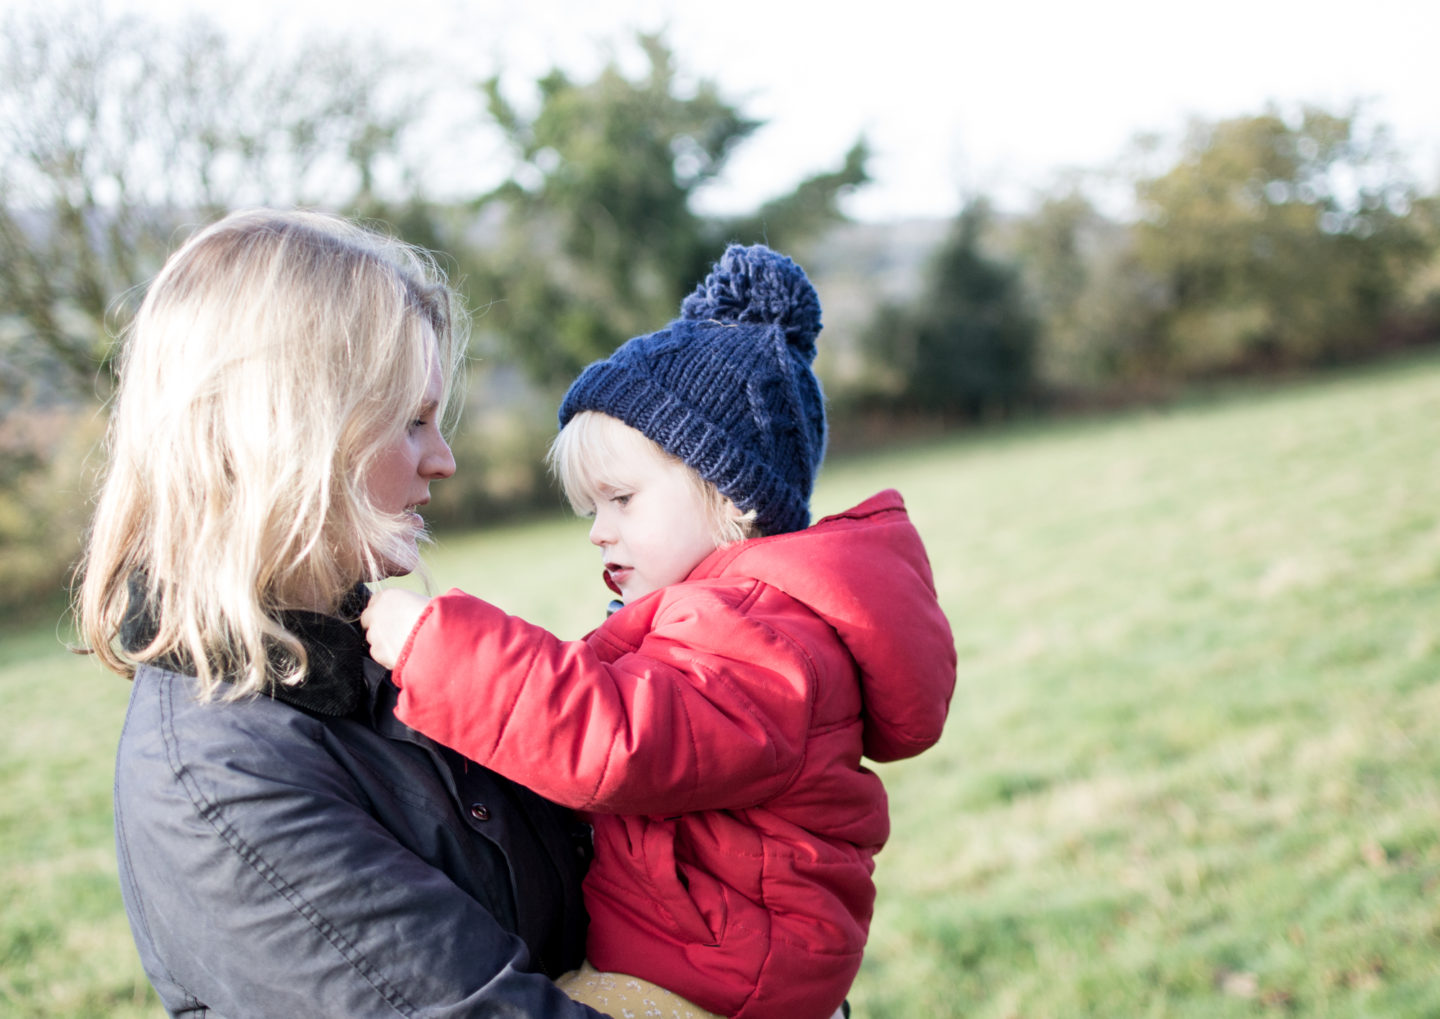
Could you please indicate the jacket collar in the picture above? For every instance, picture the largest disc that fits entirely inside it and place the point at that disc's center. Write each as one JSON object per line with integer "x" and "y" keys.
{"x": 335, "y": 684}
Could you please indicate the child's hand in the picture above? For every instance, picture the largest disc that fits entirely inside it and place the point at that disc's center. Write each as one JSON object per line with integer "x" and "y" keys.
{"x": 388, "y": 620}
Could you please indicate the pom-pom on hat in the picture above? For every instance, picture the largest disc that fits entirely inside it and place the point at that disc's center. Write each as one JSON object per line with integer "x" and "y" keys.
{"x": 727, "y": 387}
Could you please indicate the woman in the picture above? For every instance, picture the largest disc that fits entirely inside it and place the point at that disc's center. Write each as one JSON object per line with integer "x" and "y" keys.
{"x": 286, "y": 847}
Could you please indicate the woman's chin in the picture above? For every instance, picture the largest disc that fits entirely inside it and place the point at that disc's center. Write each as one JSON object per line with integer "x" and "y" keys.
{"x": 397, "y": 563}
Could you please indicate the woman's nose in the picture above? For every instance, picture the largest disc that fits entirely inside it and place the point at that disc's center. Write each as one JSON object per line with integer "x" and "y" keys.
{"x": 439, "y": 461}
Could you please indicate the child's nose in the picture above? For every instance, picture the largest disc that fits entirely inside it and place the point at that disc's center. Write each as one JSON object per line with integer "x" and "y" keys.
{"x": 600, "y": 532}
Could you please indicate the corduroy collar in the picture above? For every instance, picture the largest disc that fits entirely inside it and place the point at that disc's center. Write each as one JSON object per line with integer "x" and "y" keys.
{"x": 334, "y": 685}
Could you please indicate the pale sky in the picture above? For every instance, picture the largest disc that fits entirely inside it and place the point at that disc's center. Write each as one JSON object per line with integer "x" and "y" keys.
{"x": 955, "y": 98}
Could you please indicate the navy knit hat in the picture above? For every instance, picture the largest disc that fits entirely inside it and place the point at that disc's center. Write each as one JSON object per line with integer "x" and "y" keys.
{"x": 727, "y": 387}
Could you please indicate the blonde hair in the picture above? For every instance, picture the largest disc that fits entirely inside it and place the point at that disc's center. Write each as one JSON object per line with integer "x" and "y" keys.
{"x": 272, "y": 359}
{"x": 594, "y": 450}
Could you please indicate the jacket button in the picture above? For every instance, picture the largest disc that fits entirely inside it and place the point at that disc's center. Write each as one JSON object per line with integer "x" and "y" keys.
{"x": 479, "y": 812}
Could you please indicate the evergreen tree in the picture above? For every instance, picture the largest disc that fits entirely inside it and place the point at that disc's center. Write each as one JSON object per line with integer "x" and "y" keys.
{"x": 966, "y": 346}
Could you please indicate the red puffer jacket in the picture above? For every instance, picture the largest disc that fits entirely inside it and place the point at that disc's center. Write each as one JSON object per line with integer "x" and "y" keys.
{"x": 714, "y": 730}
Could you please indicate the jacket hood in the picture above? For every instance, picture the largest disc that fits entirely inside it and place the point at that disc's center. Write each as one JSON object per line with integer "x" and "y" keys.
{"x": 865, "y": 572}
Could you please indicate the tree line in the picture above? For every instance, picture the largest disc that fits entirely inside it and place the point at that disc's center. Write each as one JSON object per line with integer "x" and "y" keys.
{"x": 1281, "y": 240}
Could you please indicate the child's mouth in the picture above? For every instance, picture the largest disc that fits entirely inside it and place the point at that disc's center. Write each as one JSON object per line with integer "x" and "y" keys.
{"x": 613, "y": 576}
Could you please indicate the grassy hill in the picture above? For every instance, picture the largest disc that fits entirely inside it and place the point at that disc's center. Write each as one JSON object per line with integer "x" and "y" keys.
{"x": 1192, "y": 767}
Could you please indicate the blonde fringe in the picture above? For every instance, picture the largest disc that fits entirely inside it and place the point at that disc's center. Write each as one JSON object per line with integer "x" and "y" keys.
{"x": 594, "y": 450}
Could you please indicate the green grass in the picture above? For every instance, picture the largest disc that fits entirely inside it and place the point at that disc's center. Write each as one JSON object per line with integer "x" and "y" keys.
{"x": 64, "y": 945}
{"x": 1192, "y": 767}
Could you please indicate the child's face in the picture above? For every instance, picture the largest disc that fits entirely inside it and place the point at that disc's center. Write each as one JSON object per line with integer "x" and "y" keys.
{"x": 652, "y": 525}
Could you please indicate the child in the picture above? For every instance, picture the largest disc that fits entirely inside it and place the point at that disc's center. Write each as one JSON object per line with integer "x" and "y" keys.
{"x": 712, "y": 728}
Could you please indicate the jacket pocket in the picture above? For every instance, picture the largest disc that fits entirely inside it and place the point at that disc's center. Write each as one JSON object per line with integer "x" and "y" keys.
{"x": 690, "y": 901}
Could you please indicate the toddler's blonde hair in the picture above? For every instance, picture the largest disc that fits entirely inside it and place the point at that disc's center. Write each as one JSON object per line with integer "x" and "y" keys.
{"x": 593, "y": 451}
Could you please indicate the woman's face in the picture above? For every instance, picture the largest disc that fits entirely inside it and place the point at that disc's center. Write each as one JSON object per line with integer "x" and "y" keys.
{"x": 398, "y": 481}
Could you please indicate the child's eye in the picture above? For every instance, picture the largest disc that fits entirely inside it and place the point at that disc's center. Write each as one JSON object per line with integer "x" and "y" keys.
{"x": 620, "y": 500}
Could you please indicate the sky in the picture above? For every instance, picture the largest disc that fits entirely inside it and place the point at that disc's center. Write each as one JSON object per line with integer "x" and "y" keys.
{"x": 955, "y": 98}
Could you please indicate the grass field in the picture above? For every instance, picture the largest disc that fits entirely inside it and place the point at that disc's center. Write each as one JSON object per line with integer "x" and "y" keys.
{"x": 1192, "y": 767}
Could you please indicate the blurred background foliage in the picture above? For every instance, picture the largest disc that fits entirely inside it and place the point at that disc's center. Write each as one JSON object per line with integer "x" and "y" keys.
{"x": 1279, "y": 242}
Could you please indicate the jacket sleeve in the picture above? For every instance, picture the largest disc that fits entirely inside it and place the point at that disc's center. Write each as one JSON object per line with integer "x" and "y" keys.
{"x": 258, "y": 883}
{"x": 711, "y": 710}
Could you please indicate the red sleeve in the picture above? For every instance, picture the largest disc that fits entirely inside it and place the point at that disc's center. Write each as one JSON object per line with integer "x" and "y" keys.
{"x": 675, "y": 725}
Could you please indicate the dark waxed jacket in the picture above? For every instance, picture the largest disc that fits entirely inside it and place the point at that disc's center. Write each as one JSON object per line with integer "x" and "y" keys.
{"x": 319, "y": 858}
